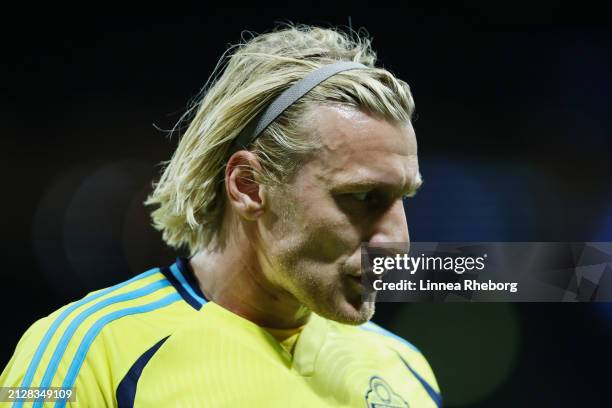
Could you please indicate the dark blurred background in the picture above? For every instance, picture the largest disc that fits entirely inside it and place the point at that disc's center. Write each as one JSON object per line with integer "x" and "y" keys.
{"x": 513, "y": 107}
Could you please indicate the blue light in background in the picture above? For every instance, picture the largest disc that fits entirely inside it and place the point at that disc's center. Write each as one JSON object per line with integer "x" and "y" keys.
{"x": 465, "y": 200}
{"x": 604, "y": 310}
{"x": 604, "y": 232}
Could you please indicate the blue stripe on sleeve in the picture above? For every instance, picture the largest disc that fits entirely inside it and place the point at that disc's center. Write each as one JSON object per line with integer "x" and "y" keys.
{"x": 437, "y": 398}
{"x": 93, "y": 331}
{"x": 76, "y": 322}
{"x": 42, "y": 346}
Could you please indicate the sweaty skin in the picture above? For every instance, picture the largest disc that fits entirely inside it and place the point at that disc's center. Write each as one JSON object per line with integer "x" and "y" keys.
{"x": 294, "y": 249}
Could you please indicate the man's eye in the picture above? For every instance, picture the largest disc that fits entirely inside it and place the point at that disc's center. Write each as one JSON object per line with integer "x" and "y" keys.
{"x": 361, "y": 196}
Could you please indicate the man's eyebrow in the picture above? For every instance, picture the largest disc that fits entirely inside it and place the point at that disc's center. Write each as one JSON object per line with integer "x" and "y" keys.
{"x": 359, "y": 185}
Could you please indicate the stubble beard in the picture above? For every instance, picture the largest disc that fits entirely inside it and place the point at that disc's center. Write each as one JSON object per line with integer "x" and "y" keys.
{"x": 331, "y": 303}
{"x": 313, "y": 293}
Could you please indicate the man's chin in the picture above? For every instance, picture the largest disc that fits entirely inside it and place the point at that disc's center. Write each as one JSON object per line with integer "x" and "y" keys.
{"x": 352, "y": 313}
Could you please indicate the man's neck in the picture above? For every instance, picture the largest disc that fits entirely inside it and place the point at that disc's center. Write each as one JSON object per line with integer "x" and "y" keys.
{"x": 233, "y": 278}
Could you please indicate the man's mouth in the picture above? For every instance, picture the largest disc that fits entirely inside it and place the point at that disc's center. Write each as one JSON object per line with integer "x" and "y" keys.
{"x": 355, "y": 278}
{"x": 356, "y": 282}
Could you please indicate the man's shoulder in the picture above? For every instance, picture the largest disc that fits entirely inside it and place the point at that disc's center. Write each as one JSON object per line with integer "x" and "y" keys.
{"x": 103, "y": 332}
{"x": 372, "y": 341}
{"x": 372, "y": 333}
{"x": 140, "y": 295}
{"x": 379, "y": 334}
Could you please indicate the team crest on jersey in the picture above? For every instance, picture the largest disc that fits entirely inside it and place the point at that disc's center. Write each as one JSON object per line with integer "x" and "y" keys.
{"x": 380, "y": 395}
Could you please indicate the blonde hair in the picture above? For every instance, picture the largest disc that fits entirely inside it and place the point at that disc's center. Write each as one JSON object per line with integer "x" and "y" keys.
{"x": 189, "y": 194}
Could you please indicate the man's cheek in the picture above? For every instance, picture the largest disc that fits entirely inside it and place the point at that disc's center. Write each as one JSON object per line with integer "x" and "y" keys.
{"x": 327, "y": 242}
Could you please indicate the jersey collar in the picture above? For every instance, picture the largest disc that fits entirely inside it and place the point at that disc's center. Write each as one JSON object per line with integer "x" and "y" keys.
{"x": 182, "y": 278}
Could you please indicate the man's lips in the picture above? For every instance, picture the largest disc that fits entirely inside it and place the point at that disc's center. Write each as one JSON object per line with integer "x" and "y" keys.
{"x": 356, "y": 273}
{"x": 356, "y": 281}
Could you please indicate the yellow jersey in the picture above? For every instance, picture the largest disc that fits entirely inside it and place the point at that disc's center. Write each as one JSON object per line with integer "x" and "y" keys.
{"x": 155, "y": 341}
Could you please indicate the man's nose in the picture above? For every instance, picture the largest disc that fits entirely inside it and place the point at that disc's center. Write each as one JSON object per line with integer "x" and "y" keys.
{"x": 391, "y": 226}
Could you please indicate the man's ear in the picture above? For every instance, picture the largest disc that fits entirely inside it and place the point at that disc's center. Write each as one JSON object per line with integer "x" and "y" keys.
{"x": 243, "y": 192}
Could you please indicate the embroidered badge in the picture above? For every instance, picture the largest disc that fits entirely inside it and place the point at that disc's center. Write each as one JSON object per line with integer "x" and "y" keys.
{"x": 380, "y": 395}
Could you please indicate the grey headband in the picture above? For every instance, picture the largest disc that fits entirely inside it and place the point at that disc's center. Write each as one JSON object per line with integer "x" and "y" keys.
{"x": 258, "y": 124}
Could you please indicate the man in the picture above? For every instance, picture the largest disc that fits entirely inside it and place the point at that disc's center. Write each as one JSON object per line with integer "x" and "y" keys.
{"x": 297, "y": 154}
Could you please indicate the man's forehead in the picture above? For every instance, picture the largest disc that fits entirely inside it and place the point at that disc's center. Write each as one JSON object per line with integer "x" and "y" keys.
{"x": 345, "y": 128}
{"x": 358, "y": 146}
